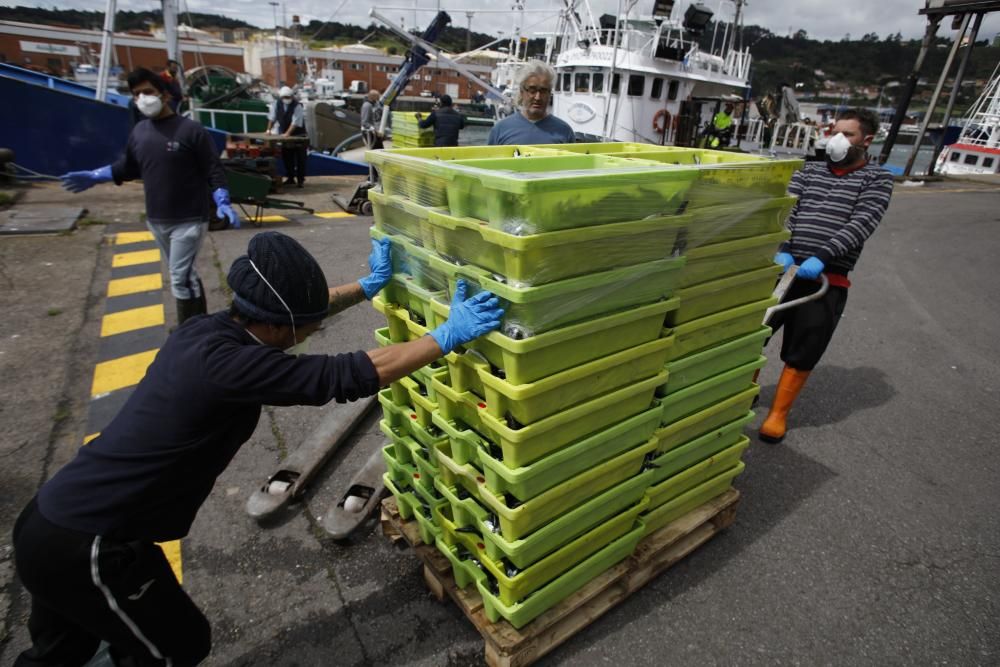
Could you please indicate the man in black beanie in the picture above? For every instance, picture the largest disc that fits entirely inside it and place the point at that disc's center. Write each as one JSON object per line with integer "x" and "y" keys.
{"x": 85, "y": 546}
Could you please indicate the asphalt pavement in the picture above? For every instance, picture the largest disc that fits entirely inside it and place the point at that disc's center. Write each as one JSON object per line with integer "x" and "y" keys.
{"x": 869, "y": 536}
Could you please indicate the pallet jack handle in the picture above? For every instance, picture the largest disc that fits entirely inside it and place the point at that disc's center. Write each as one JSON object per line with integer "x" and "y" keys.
{"x": 782, "y": 288}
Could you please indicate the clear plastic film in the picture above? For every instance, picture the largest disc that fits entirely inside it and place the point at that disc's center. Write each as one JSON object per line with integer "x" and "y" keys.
{"x": 536, "y": 309}
{"x": 407, "y": 133}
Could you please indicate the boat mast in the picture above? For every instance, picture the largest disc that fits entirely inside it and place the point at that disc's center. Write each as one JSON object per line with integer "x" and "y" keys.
{"x": 106, "y": 50}
{"x": 170, "y": 30}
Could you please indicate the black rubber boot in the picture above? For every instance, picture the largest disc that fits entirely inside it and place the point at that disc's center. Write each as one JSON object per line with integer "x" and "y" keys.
{"x": 202, "y": 303}
{"x": 186, "y": 309}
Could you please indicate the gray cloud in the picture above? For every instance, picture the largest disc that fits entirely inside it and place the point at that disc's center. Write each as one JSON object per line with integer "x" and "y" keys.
{"x": 822, "y": 19}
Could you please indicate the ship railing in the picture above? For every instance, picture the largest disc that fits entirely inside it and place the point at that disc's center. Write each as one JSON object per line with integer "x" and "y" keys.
{"x": 213, "y": 119}
{"x": 793, "y": 137}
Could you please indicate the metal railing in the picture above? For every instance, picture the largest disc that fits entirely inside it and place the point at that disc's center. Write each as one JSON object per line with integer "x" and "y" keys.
{"x": 213, "y": 123}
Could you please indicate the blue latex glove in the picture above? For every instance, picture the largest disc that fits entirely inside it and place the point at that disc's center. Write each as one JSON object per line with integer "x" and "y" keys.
{"x": 811, "y": 268}
{"x": 380, "y": 264}
{"x": 78, "y": 181}
{"x": 469, "y": 319}
{"x": 224, "y": 208}
{"x": 785, "y": 260}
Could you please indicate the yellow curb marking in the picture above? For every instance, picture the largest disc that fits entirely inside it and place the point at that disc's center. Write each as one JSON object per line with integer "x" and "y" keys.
{"x": 132, "y": 319}
{"x": 135, "y": 285}
{"x": 335, "y": 214}
{"x": 137, "y": 257}
{"x": 124, "y": 238}
{"x": 120, "y": 373}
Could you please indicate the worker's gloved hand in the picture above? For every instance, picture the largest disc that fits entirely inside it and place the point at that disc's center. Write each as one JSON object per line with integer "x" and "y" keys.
{"x": 78, "y": 181}
{"x": 811, "y": 268}
{"x": 380, "y": 264}
{"x": 469, "y": 319}
{"x": 785, "y": 260}
{"x": 224, "y": 208}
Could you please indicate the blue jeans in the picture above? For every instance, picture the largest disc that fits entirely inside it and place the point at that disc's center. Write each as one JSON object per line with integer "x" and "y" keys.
{"x": 179, "y": 243}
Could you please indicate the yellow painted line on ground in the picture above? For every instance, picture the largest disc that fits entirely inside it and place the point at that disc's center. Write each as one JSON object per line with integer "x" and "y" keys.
{"x": 268, "y": 218}
{"x": 172, "y": 550}
{"x": 335, "y": 214}
{"x": 135, "y": 285}
{"x": 120, "y": 373}
{"x": 124, "y": 238}
{"x": 137, "y": 257}
{"x": 132, "y": 319}
{"x": 88, "y": 438}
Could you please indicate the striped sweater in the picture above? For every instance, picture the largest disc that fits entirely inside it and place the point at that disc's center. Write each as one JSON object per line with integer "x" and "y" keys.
{"x": 835, "y": 215}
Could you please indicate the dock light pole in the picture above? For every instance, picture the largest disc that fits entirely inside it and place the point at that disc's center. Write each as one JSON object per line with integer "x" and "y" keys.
{"x": 277, "y": 55}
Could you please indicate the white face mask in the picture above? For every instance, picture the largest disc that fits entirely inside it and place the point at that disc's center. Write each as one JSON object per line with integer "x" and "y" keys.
{"x": 149, "y": 105}
{"x": 296, "y": 348}
{"x": 838, "y": 147}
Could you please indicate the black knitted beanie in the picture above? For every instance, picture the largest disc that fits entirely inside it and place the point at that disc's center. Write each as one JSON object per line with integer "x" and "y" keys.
{"x": 290, "y": 270}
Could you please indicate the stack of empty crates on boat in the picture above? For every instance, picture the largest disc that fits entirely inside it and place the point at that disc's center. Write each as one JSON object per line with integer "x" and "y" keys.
{"x": 613, "y": 398}
{"x": 406, "y": 132}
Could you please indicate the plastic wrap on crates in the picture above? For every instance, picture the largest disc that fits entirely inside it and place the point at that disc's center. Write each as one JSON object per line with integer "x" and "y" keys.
{"x": 532, "y": 310}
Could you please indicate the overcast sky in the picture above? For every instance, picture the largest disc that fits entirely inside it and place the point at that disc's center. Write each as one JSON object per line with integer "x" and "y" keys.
{"x": 823, "y": 19}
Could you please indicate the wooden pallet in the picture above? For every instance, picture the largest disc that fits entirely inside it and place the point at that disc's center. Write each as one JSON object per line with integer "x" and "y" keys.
{"x": 509, "y": 647}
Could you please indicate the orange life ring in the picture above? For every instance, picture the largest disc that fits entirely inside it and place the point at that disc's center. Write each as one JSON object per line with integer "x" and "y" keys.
{"x": 663, "y": 115}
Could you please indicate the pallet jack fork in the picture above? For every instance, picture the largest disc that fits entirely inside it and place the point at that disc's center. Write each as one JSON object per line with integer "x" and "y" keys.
{"x": 296, "y": 471}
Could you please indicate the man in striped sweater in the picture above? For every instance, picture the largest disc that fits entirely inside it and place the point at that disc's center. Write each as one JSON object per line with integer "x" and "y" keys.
{"x": 841, "y": 202}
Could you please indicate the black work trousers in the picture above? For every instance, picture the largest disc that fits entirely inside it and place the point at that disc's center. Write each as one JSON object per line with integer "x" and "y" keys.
{"x": 294, "y": 158}
{"x": 809, "y": 327}
{"x": 85, "y": 589}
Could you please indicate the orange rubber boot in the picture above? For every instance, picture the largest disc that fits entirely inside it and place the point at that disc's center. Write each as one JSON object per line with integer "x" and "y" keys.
{"x": 774, "y": 427}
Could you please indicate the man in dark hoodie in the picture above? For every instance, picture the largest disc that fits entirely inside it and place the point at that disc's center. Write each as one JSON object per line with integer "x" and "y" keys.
{"x": 86, "y": 545}
{"x": 446, "y": 122}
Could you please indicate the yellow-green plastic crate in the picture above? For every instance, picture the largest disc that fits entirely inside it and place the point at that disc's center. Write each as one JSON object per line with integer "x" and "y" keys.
{"x": 548, "y": 257}
{"x": 400, "y": 216}
{"x": 405, "y": 498}
{"x": 521, "y": 613}
{"x": 699, "y": 366}
{"x": 715, "y": 389}
{"x": 402, "y": 421}
{"x": 518, "y": 520}
{"x": 708, "y": 331}
{"x": 530, "y": 359}
{"x": 415, "y": 453}
{"x": 668, "y": 464}
{"x": 411, "y": 506}
{"x": 724, "y": 293}
{"x": 672, "y": 510}
{"x": 399, "y": 472}
{"x": 513, "y": 584}
{"x": 467, "y": 513}
{"x": 532, "y": 195}
{"x": 697, "y": 474}
{"x": 534, "y": 401}
{"x": 528, "y": 443}
{"x": 529, "y": 311}
{"x": 418, "y": 174}
{"x": 528, "y": 481}
{"x": 718, "y": 260}
{"x": 737, "y": 220}
{"x": 713, "y": 417}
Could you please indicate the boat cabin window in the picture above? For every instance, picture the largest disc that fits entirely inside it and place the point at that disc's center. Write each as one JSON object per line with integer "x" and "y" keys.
{"x": 971, "y": 159}
{"x": 954, "y": 157}
{"x": 657, "y": 89}
{"x": 567, "y": 82}
{"x": 616, "y": 81}
{"x": 672, "y": 90}
{"x": 598, "y": 82}
{"x": 988, "y": 162}
{"x": 582, "y": 83}
{"x": 636, "y": 84}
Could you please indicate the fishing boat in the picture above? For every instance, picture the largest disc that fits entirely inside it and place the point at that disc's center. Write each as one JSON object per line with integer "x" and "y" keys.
{"x": 977, "y": 150}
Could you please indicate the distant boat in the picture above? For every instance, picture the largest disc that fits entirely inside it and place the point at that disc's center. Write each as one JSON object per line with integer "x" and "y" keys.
{"x": 977, "y": 150}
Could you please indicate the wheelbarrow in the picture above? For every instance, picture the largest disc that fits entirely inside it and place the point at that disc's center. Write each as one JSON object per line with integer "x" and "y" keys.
{"x": 251, "y": 190}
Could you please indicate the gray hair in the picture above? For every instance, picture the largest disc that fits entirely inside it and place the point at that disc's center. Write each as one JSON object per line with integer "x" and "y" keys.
{"x": 530, "y": 69}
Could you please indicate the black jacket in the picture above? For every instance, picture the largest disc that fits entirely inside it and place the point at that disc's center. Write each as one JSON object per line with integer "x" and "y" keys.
{"x": 446, "y": 123}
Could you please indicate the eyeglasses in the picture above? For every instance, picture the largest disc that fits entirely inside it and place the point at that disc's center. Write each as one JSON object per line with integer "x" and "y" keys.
{"x": 535, "y": 90}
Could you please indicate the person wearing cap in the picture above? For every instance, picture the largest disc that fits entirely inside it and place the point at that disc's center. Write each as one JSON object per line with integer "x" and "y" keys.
{"x": 85, "y": 546}
{"x": 287, "y": 118}
{"x": 446, "y": 122}
{"x": 181, "y": 175}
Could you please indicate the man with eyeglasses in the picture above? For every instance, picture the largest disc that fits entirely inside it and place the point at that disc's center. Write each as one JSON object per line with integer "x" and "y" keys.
{"x": 533, "y": 124}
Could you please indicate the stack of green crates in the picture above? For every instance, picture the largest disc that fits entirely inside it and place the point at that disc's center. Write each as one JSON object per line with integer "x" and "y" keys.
{"x": 613, "y": 398}
{"x": 406, "y": 133}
